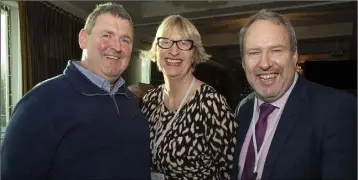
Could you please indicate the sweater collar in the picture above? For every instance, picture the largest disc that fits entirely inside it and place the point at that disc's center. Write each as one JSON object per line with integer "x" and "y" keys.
{"x": 85, "y": 86}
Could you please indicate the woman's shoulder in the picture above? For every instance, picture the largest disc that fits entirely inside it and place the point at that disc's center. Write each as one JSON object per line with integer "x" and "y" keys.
{"x": 210, "y": 95}
{"x": 208, "y": 91}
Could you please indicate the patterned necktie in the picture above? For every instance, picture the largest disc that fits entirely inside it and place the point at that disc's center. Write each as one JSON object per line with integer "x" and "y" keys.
{"x": 260, "y": 130}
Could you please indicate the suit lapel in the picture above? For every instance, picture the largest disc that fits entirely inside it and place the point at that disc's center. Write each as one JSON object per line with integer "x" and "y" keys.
{"x": 243, "y": 119}
{"x": 289, "y": 118}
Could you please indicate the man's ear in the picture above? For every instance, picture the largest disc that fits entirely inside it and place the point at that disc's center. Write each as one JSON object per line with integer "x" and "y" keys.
{"x": 82, "y": 39}
{"x": 242, "y": 63}
{"x": 295, "y": 57}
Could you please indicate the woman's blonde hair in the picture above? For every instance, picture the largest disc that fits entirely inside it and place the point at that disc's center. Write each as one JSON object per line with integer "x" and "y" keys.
{"x": 187, "y": 30}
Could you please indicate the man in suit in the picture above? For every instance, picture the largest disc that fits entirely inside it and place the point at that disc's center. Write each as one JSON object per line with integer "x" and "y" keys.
{"x": 289, "y": 128}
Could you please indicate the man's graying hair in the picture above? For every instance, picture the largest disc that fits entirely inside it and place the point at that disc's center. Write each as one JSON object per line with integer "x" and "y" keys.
{"x": 115, "y": 10}
{"x": 274, "y": 18}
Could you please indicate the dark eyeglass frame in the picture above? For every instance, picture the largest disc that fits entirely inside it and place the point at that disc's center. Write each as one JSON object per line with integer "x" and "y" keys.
{"x": 176, "y": 43}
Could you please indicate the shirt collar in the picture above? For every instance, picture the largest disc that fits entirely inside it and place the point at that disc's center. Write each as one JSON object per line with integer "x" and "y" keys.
{"x": 98, "y": 81}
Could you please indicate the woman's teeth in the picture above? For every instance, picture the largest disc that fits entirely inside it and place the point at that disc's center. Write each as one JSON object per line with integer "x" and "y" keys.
{"x": 173, "y": 61}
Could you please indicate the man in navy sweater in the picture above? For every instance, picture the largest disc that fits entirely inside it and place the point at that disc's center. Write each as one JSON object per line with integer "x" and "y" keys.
{"x": 85, "y": 123}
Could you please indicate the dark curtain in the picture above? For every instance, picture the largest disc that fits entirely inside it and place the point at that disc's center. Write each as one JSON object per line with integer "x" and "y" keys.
{"x": 49, "y": 38}
{"x": 353, "y": 50}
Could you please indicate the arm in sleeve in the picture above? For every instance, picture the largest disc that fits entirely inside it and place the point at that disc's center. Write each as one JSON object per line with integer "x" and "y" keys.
{"x": 223, "y": 137}
{"x": 339, "y": 158}
{"x": 29, "y": 142}
{"x": 147, "y": 104}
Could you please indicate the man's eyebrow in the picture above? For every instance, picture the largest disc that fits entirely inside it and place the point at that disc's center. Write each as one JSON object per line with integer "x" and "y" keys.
{"x": 108, "y": 31}
{"x": 126, "y": 36}
{"x": 271, "y": 47}
{"x": 112, "y": 33}
{"x": 252, "y": 49}
{"x": 278, "y": 46}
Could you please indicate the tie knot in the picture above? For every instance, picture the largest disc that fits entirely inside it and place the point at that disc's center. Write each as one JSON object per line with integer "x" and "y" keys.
{"x": 265, "y": 110}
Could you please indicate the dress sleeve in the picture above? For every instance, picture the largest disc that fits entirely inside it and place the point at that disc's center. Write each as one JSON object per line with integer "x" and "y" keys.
{"x": 147, "y": 102}
{"x": 221, "y": 132}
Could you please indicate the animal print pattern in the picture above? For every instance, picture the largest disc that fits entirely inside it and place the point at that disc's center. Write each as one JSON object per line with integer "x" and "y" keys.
{"x": 200, "y": 143}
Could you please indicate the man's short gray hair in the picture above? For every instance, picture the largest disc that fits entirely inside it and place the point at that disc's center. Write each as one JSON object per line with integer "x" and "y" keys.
{"x": 115, "y": 10}
{"x": 274, "y": 18}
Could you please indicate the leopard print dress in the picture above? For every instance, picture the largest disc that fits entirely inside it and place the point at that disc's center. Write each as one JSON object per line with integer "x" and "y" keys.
{"x": 199, "y": 143}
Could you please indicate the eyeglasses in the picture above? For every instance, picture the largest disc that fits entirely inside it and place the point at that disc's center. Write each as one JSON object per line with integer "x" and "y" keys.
{"x": 166, "y": 43}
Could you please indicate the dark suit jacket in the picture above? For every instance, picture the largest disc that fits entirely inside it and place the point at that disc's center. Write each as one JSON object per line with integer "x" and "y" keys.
{"x": 316, "y": 137}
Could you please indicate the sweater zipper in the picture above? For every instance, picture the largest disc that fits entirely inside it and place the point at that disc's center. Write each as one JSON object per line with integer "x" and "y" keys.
{"x": 111, "y": 95}
{"x": 115, "y": 102}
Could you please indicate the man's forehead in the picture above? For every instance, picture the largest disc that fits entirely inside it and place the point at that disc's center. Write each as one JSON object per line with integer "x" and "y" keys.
{"x": 111, "y": 26}
{"x": 274, "y": 34}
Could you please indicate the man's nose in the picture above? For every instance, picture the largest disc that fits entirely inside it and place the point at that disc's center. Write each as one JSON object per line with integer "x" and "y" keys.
{"x": 116, "y": 45}
{"x": 265, "y": 61}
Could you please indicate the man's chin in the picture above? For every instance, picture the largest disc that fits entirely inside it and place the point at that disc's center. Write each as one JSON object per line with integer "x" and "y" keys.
{"x": 113, "y": 76}
{"x": 268, "y": 96}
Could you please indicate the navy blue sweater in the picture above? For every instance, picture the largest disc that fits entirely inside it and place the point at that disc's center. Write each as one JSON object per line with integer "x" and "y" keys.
{"x": 68, "y": 128}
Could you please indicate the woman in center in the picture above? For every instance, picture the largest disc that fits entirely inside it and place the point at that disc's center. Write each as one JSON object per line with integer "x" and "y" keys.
{"x": 192, "y": 130}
